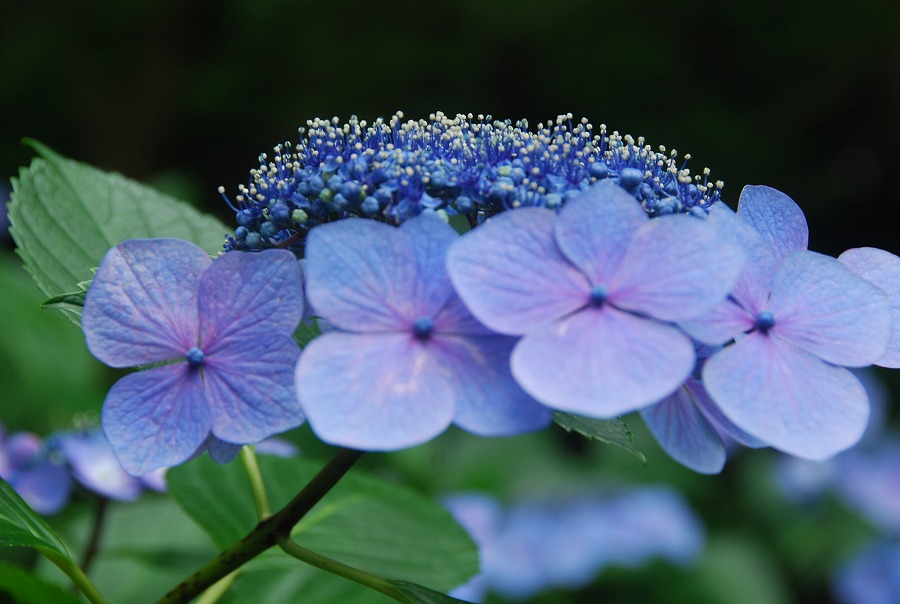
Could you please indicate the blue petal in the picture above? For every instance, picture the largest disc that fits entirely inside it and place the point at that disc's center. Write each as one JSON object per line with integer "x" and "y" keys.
{"x": 676, "y": 268}
{"x": 489, "y": 402}
{"x": 244, "y": 294}
{"x": 684, "y": 432}
{"x": 602, "y": 362}
{"x": 156, "y": 418}
{"x": 142, "y": 304}
{"x": 221, "y": 451}
{"x": 511, "y": 274}
{"x": 46, "y": 487}
{"x": 361, "y": 275}
{"x": 250, "y": 388}
{"x": 822, "y": 307}
{"x": 373, "y": 391}
{"x": 882, "y": 269}
{"x": 593, "y": 230}
{"x": 431, "y": 238}
{"x": 786, "y": 397}
{"x": 776, "y": 217}
{"x": 95, "y": 466}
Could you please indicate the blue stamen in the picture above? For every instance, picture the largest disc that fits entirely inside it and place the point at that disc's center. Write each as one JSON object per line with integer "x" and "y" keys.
{"x": 599, "y": 294}
{"x": 194, "y": 357}
{"x": 423, "y": 327}
{"x": 765, "y": 321}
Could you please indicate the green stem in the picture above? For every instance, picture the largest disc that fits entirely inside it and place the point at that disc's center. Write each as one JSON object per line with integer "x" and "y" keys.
{"x": 215, "y": 591}
{"x": 254, "y": 475}
{"x": 76, "y": 574}
{"x": 267, "y": 531}
{"x": 342, "y": 570}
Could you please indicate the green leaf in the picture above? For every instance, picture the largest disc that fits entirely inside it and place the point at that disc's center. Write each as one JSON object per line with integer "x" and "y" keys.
{"x": 609, "y": 431}
{"x": 417, "y": 594}
{"x": 307, "y": 331}
{"x": 21, "y": 526}
{"x": 19, "y": 586}
{"x": 380, "y": 527}
{"x": 64, "y": 300}
{"x": 65, "y": 215}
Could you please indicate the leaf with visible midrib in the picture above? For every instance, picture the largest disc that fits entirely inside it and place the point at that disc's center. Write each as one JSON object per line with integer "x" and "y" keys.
{"x": 21, "y": 526}
{"x": 65, "y": 215}
{"x": 609, "y": 431}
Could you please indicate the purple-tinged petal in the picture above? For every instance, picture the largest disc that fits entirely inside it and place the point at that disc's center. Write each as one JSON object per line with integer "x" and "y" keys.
{"x": 869, "y": 481}
{"x": 676, "y": 268}
{"x": 593, "y": 230}
{"x": 156, "y": 418}
{"x": 431, "y": 237}
{"x": 46, "y": 487}
{"x": 684, "y": 433}
{"x": 511, "y": 274}
{"x": 21, "y": 448}
{"x": 719, "y": 325}
{"x": 155, "y": 479}
{"x": 221, "y": 451}
{"x": 776, "y": 217}
{"x": 360, "y": 275}
{"x": 489, "y": 402}
{"x": 882, "y": 269}
{"x": 714, "y": 415}
{"x": 142, "y": 304}
{"x": 786, "y": 397}
{"x": 245, "y": 294}
{"x": 455, "y": 318}
{"x": 822, "y": 307}
{"x": 95, "y": 466}
{"x": 373, "y": 391}
{"x": 602, "y": 362}
{"x": 250, "y": 388}
{"x": 277, "y": 447}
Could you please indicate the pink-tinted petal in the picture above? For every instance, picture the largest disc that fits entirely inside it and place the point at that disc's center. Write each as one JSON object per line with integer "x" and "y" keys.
{"x": 431, "y": 238}
{"x": 720, "y": 324}
{"x": 593, "y": 230}
{"x": 602, "y": 362}
{"x": 244, "y": 294}
{"x": 156, "y": 418}
{"x": 882, "y": 269}
{"x": 511, "y": 274}
{"x": 361, "y": 275}
{"x": 373, "y": 391}
{"x": 142, "y": 304}
{"x": 776, "y": 217}
{"x": 250, "y": 388}
{"x": 455, "y": 318}
{"x": 489, "y": 402}
{"x": 822, "y": 307}
{"x": 684, "y": 433}
{"x": 786, "y": 397}
{"x": 676, "y": 268}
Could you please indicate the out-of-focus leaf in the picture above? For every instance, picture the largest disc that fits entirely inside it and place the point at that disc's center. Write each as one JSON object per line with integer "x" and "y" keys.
{"x": 21, "y": 587}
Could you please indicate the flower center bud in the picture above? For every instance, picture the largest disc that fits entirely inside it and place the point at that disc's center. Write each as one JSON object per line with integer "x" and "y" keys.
{"x": 194, "y": 357}
{"x": 423, "y": 327}
{"x": 599, "y": 294}
{"x": 765, "y": 321}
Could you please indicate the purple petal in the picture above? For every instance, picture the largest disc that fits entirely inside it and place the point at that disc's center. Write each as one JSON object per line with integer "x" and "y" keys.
{"x": 881, "y": 269}
{"x": 361, "y": 275}
{"x": 250, "y": 388}
{"x": 776, "y": 217}
{"x": 714, "y": 415}
{"x": 46, "y": 487}
{"x": 593, "y": 230}
{"x": 373, "y": 391}
{"x": 821, "y": 307}
{"x": 431, "y": 237}
{"x": 719, "y": 325}
{"x": 676, "y": 268}
{"x": 489, "y": 402}
{"x": 221, "y": 451}
{"x": 602, "y": 362}
{"x": 684, "y": 433}
{"x": 244, "y": 294}
{"x": 455, "y": 318}
{"x": 21, "y": 448}
{"x": 786, "y": 397}
{"x": 142, "y": 304}
{"x": 511, "y": 274}
{"x": 156, "y": 418}
{"x": 95, "y": 466}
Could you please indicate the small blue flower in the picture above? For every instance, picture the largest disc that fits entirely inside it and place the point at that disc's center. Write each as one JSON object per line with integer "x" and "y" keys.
{"x": 394, "y": 170}
{"x": 405, "y": 358}
{"x": 871, "y": 577}
{"x": 38, "y": 476}
{"x": 592, "y": 291}
{"x": 227, "y": 326}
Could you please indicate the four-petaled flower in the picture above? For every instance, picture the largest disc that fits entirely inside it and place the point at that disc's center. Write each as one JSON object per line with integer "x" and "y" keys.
{"x": 227, "y": 323}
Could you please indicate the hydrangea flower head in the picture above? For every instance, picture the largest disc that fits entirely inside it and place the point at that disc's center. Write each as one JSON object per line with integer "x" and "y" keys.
{"x": 224, "y": 327}
{"x": 470, "y": 165}
{"x": 798, "y": 318}
{"x": 405, "y": 357}
{"x": 591, "y": 290}
{"x": 39, "y": 478}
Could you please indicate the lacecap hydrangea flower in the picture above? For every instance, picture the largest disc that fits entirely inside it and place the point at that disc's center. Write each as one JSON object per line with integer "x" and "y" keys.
{"x": 222, "y": 331}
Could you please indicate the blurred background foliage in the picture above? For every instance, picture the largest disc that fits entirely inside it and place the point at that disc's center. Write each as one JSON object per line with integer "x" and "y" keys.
{"x": 185, "y": 95}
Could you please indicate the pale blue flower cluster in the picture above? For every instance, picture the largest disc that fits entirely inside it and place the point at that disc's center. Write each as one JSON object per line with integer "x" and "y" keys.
{"x": 536, "y": 546}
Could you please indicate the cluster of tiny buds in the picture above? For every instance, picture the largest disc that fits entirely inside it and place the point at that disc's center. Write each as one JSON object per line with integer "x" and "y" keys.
{"x": 468, "y": 165}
